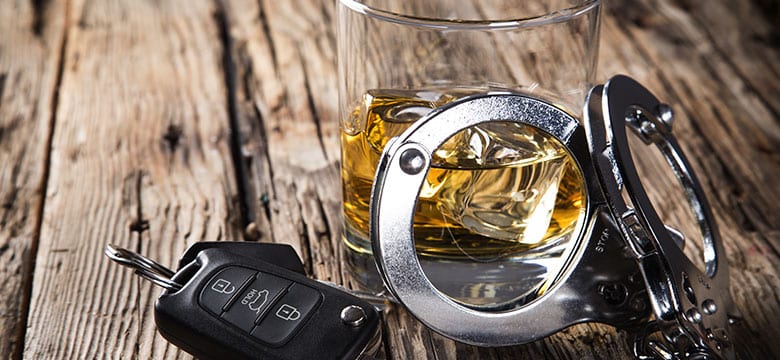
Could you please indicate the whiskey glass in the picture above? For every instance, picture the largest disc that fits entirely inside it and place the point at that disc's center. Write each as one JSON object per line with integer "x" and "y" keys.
{"x": 499, "y": 211}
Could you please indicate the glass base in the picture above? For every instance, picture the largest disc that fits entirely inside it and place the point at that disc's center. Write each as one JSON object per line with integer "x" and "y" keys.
{"x": 497, "y": 285}
{"x": 360, "y": 263}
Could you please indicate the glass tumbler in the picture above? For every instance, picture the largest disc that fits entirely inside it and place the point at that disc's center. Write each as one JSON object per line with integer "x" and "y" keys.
{"x": 502, "y": 203}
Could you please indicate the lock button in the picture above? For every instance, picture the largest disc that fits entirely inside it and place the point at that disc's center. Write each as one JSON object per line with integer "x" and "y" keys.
{"x": 287, "y": 315}
{"x": 223, "y": 286}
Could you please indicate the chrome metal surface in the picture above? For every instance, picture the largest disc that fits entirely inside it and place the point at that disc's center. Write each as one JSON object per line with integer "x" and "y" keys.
{"x": 353, "y": 315}
{"x": 143, "y": 266}
{"x": 674, "y": 284}
{"x": 626, "y": 261}
{"x": 412, "y": 161}
{"x": 574, "y": 297}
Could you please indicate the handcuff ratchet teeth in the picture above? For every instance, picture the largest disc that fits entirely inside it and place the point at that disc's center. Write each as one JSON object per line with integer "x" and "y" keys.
{"x": 618, "y": 243}
{"x": 692, "y": 309}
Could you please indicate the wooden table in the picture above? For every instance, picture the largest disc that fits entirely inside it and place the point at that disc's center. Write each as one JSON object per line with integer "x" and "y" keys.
{"x": 153, "y": 125}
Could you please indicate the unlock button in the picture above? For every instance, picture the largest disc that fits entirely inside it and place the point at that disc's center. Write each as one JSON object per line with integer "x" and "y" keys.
{"x": 223, "y": 286}
{"x": 287, "y": 315}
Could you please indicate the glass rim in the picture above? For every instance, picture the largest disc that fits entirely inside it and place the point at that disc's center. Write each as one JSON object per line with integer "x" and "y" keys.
{"x": 558, "y": 16}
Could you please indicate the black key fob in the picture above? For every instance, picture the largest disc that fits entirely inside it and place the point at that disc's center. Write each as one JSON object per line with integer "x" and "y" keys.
{"x": 228, "y": 301}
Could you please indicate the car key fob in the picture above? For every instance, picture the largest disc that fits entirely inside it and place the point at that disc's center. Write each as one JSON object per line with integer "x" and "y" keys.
{"x": 221, "y": 303}
{"x": 278, "y": 254}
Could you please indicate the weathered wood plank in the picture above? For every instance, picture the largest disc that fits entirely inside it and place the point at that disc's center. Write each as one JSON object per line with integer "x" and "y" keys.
{"x": 30, "y": 45}
{"x": 751, "y": 51}
{"x": 290, "y": 130}
{"x": 139, "y": 158}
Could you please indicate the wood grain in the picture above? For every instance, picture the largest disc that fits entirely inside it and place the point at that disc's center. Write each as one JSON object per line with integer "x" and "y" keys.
{"x": 181, "y": 121}
{"x": 30, "y": 46}
{"x": 289, "y": 126}
{"x": 139, "y": 158}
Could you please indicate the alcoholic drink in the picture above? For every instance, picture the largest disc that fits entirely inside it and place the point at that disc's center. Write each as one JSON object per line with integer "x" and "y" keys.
{"x": 495, "y": 192}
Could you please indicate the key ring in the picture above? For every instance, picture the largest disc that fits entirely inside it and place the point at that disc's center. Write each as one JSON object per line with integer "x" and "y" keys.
{"x": 162, "y": 276}
{"x": 143, "y": 266}
{"x": 617, "y": 244}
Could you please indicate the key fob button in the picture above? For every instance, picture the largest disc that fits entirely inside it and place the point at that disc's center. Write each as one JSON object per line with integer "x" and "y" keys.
{"x": 287, "y": 315}
{"x": 254, "y": 300}
{"x": 222, "y": 286}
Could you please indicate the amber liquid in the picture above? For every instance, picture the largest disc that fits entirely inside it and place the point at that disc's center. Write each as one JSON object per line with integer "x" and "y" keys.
{"x": 495, "y": 191}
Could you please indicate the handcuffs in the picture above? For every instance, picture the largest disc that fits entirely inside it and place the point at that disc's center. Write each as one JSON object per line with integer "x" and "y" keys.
{"x": 626, "y": 269}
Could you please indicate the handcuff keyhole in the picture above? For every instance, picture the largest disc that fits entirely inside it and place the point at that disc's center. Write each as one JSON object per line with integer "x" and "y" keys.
{"x": 613, "y": 293}
{"x": 688, "y": 289}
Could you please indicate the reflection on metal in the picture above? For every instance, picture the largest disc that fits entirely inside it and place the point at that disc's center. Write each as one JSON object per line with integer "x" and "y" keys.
{"x": 674, "y": 283}
{"x": 143, "y": 266}
{"x": 627, "y": 268}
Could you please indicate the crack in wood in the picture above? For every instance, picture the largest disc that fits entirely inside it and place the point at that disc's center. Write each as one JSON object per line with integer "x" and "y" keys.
{"x": 172, "y": 136}
{"x": 29, "y": 266}
{"x": 10, "y": 126}
{"x": 253, "y": 144}
{"x": 245, "y": 67}
{"x": 11, "y": 197}
{"x": 39, "y": 13}
{"x": 263, "y": 19}
{"x": 266, "y": 202}
{"x": 310, "y": 103}
{"x": 303, "y": 235}
{"x": 322, "y": 235}
{"x": 139, "y": 225}
{"x": 3, "y": 76}
{"x": 431, "y": 344}
{"x": 8, "y": 206}
{"x": 308, "y": 261}
{"x": 244, "y": 63}
{"x": 246, "y": 205}
{"x": 325, "y": 233}
{"x": 261, "y": 136}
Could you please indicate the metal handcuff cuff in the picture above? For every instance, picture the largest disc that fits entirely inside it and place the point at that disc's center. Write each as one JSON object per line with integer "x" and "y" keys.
{"x": 623, "y": 241}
